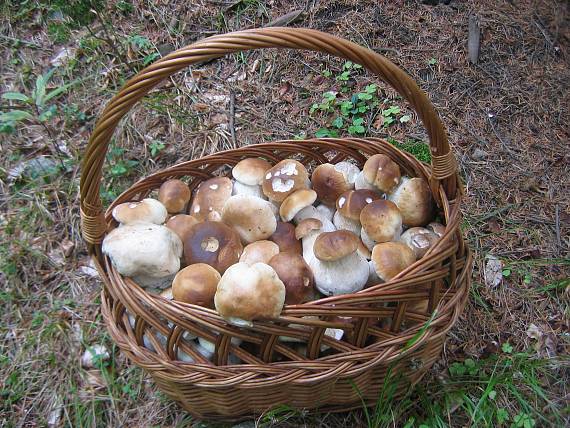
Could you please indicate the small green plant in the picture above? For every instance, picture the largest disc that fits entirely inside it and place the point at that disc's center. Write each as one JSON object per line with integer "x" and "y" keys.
{"x": 39, "y": 106}
{"x": 156, "y": 147}
{"x": 523, "y": 420}
{"x": 507, "y": 348}
{"x": 144, "y": 46}
{"x": 432, "y": 61}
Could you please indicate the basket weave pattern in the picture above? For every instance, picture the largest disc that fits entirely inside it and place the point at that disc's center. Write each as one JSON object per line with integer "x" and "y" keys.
{"x": 384, "y": 333}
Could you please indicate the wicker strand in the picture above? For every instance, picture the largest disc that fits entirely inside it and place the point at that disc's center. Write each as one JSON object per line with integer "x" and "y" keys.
{"x": 443, "y": 166}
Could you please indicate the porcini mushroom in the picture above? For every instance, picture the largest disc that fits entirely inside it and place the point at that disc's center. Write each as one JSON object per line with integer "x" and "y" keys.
{"x": 196, "y": 284}
{"x": 326, "y": 211}
{"x": 381, "y": 220}
{"x": 174, "y": 195}
{"x": 147, "y": 252}
{"x": 329, "y": 183}
{"x": 251, "y": 217}
{"x": 283, "y": 179}
{"x": 437, "y": 228}
{"x": 259, "y": 252}
{"x": 382, "y": 172}
{"x": 419, "y": 239}
{"x": 413, "y": 198}
{"x": 307, "y": 226}
{"x": 181, "y": 224}
{"x": 296, "y": 276}
{"x": 361, "y": 183}
{"x": 295, "y": 202}
{"x": 213, "y": 243}
{"x": 245, "y": 189}
{"x": 391, "y": 258}
{"x": 246, "y": 293}
{"x": 284, "y": 237}
{"x": 146, "y": 211}
{"x": 251, "y": 171}
{"x": 211, "y": 195}
{"x": 331, "y": 246}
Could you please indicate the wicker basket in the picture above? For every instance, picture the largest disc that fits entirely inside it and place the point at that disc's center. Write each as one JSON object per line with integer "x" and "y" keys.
{"x": 332, "y": 375}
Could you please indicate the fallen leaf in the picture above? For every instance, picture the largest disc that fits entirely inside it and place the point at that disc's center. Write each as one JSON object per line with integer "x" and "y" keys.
{"x": 493, "y": 226}
{"x": 67, "y": 247}
{"x": 534, "y": 332}
{"x": 493, "y": 272}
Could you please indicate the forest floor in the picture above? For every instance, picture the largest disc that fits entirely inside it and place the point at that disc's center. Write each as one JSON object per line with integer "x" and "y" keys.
{"x": 505, "y": 362}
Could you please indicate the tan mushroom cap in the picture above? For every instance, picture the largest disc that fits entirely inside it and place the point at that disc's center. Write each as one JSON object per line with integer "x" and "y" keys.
{"x": 329, "y": 183}
{"x": 211, "y": 195}
{"x": 196, "y": 284}
{"x": 382, "y": 171}
{"x": 181, "y": 224}
{"x": 246, "y": 293}
{"x": 419, "y": 239}
{"x": 363, "y": 250}
{"x": 146, "y": 211}
{"x": 351, "y": 203}
{"x": 283, "y": 179}
{"x": 331, "y": 246}
{"x": 251, "y": 171}
{"x": 381, "y": 220}
{"x": 413, "y": 198}
{"x": 284, "y": 237}
{"x": 174, "y": 195}
{"x": 306, "y": 226}
{"x": 295, "y": 202}
{"x": 296, "y": 276}
{"x": 167, "y": 293}
{"x": 213, "y": 243}
{"x": 259, "y": 252}
{"x": 251, "y": 217}
{"x": 391, "y": 258}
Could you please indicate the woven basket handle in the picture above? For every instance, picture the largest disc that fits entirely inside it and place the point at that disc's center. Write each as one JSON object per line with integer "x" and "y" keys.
{"x": 92, "y": 218}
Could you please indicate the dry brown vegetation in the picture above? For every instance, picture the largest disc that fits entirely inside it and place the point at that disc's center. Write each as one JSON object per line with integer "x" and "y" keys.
{"x": 507, "y": 118}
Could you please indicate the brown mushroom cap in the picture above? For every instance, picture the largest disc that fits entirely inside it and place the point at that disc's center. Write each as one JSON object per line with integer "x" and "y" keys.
{"x": 350, "y": 203}
{"x": 247, "y": 293}
{"x": 296, "y": 276}
{"x": 250, "y": 216}
{"x": 259, "y": 252}
{"x": 211, "y": 195}
{"x": 295, "y": 202}
{"x": 382, "y": 171}
{"x": 174, "y": 195}
{"x": 329, "y": 183}
{"x": 413, "y": 198}
{"x": 437, "y": 228}
{"x": 251, "y": 171}
{"x": 284, "y": 237}
{"x": 146, "y": 211}
{"x": 306, "y": 226}
{"x": 331, "y": 246}
{"x": 419, "y": 239}
{"x": 283, "y": 179}
{"x": 196, "y": 284}
{"x": 213, "y": 243}
{"x": 391, "y": 258}
{"x": 381, "y": 220}
{"x": 181, "y": 224}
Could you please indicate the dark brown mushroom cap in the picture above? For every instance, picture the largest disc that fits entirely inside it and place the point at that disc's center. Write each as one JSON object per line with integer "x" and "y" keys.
{"x": 331, "y": 246}
{"x": 350, "y": 203}
{"x": 329, "y": 183}
{"x": 174, "y": 195}
{"x": 211, "y": 195}
{"x": 284, "y": 237}
{"x": 213, "y": 243}
{"x": 284, "y": 178}
{"x": 382, "y": 171}
{"x": 381, "y": 220}
{"x": 196, "y": 284}
{"x": 296, "y": 276}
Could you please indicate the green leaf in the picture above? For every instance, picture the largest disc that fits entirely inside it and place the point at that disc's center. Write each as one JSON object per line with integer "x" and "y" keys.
{"x": 356, "y": 129}
{"x": 507, "y": 348}
{"x": 40, "y": 91}
{"x": 313, "y": 108}
{"x": 506, "y": 273}
{"x": 405, "y": 118}
{"x": 371, "y": 89}
{"x": 58, "y": 91}
{"x": 15, "y": 116}
{"x": 492, "y": 394}
{"x": 527, "y": 278}
{"x": 358, "y": 121}
{"x": 364, "y": 96}
{"x": 502, "y": 416}
{"x": 356, "y": 66}
{"x": 150, "y": 58}
{"x": 338, "y": 122}
{"x": 47, "y": 114}
{"x": 327, "y": 73}
{"x": 329, "y": 96}
{"x": 17, "y": 96}
{"x": 388, "y": 121}
{"x": 347, "y": 65}
{"x": 457, "y": 369}
{"x": 432, "y": 61}
{"x": 344, "y": 76}
{"x": 324, "y": 132}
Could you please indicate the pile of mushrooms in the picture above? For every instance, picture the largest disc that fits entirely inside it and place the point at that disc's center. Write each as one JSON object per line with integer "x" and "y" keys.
{"x": 274, "y": 235}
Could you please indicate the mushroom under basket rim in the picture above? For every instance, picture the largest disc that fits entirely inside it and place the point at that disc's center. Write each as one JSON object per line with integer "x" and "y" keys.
{"x": 386, "y": 333}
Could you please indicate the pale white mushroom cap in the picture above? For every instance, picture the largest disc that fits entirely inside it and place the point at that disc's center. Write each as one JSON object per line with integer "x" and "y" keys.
{"x": 144, "y": 249}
